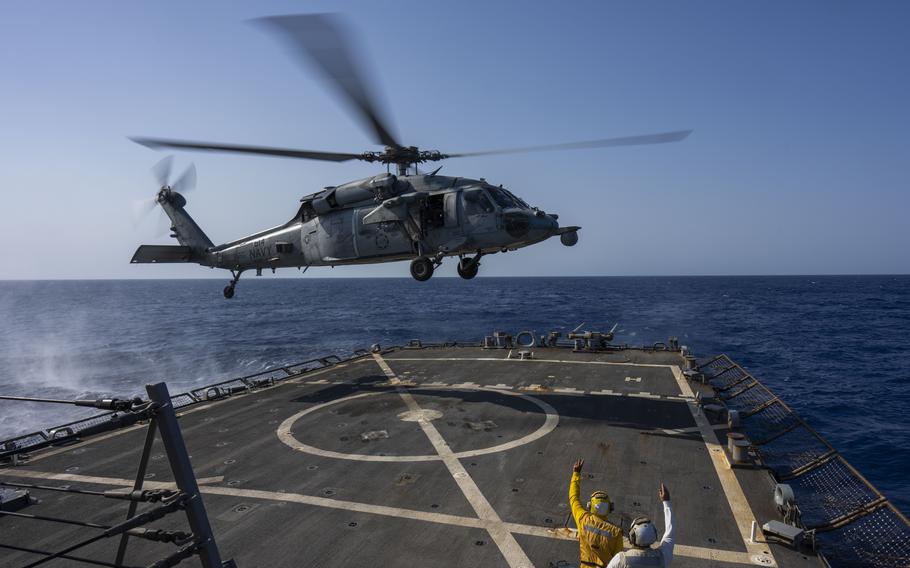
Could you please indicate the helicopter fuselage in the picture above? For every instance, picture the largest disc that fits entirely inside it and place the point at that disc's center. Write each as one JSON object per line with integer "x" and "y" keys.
{"x": 382, "y": 219}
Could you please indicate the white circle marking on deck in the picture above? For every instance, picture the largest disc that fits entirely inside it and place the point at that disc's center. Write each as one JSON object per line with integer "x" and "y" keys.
{"x": 287, "y": 437}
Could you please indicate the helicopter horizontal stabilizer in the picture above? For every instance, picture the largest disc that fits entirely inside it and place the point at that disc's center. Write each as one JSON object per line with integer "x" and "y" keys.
{"x": 153, "y": 254}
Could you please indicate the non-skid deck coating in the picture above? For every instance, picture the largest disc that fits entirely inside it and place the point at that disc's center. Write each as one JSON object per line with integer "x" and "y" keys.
{"x": 430, "y": 457}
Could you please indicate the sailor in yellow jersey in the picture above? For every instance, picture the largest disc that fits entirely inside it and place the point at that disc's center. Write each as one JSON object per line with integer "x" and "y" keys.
{"x": 598, "y": 539}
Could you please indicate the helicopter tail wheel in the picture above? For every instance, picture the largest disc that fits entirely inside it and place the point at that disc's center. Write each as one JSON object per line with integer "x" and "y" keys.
{"x": 422, "y": 269}
{"x": 229, "y": 291}
{"x": 467, "y": 268}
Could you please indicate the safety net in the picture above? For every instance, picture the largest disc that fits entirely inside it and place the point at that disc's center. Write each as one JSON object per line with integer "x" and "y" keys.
{"x": 855, "y": 525}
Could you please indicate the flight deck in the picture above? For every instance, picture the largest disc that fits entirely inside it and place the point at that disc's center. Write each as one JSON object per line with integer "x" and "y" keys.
{"x": 439, "y": 456}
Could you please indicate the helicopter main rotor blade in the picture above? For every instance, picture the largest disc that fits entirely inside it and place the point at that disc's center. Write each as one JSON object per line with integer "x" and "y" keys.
{"x": 322, "y": 39}
{"x": 661, "y": 138}
{"x": 156, "y": 143}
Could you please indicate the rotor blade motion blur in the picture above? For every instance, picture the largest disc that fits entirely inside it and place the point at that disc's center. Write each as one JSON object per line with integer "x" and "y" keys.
{"x": 162, "y": 170}
{"x": 156, "y": 143}
{"x": 322, "y": 39}
{"x": 186, "y": 181}
{"x": 661, "y": 138}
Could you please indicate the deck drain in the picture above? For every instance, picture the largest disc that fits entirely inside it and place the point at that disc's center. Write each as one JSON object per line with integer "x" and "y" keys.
{"x": 479, "y": 543}
{"x": 312, "y": 467}
{"x": 328, "y": 492}
{"x": 157, "y": 457}
{"x": 149, "y": 476}
{"x": 712, "y": 540}
{"x": 344, "y": 438}
{"x": 762, "y": 560}
{"x": 352, "y": 524}
{"x": 434, "y": 506}
{"x": 241, "y": 508}
{"x": 233, "y": 482}
{"x": 548, "y": 520}
{"x": 514, "y": 490}
{"x": 72, "y": 469}
{"x": 229, "y": 462}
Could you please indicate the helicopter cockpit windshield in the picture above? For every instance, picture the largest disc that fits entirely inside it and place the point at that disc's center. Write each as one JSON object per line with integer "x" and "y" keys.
{"x": 505, "y": 199}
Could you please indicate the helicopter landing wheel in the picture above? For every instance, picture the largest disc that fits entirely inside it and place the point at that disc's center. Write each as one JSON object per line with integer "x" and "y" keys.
{"x": 228, "y": 292}
{"x": 467, "y": 268}
{"x": 422, "y": 269}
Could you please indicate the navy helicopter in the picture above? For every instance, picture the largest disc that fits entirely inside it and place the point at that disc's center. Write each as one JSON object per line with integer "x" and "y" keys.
{"x": 408, "y": 215}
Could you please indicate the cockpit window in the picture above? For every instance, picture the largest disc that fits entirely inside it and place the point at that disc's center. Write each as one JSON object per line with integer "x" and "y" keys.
{"x": 476, "y": 202}
{"x": 503, "y": 198}
{"x": 518, "y": 199}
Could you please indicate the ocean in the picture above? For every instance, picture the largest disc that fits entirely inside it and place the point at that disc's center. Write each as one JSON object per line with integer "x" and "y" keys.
{"x": 833, "y": 347}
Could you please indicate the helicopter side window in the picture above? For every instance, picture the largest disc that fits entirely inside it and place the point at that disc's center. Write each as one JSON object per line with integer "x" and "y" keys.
{"x": 476, "y": 202}
{"x": 435, "y": 212}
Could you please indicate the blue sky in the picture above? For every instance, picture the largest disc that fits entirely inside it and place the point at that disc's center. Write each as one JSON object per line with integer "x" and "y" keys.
{"x": 798, "y": 163}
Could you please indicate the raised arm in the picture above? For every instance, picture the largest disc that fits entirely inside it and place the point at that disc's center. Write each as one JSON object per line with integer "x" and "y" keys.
{"x": 666, "y": 543}
{"x": 575, "y": 492}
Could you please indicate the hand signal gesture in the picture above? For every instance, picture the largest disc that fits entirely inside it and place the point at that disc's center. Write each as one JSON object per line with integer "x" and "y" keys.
{"x": 578, "y": 465}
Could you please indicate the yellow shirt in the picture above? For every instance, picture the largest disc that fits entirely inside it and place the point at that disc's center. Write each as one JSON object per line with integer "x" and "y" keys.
{"x": 598, "y": 539}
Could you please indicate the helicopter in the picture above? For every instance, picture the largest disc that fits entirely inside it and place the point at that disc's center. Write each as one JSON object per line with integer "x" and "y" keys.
{"x": 405, "y": 215}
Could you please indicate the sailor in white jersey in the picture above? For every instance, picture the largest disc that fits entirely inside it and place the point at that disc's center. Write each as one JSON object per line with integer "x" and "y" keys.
{"x": 642, "y": 534}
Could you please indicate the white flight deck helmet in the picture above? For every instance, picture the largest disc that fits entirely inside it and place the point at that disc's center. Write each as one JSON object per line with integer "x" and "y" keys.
{"x": 642, "y": 532}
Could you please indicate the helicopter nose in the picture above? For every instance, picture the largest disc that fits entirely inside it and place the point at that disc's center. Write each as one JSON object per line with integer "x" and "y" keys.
{"x": 543, "y": 226}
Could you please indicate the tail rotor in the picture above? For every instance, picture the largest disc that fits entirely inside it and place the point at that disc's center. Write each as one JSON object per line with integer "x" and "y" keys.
{"x": 168, "y": 191}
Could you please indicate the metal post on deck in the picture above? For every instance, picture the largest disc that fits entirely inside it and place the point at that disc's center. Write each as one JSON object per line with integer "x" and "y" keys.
{"x": 183, "y": 475}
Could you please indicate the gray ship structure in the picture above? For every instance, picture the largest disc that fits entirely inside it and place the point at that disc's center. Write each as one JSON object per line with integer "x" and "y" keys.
{"x": 443, "y": 455}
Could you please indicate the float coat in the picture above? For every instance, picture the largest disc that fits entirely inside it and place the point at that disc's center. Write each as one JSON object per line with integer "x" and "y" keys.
{"x": 598, "y": 539}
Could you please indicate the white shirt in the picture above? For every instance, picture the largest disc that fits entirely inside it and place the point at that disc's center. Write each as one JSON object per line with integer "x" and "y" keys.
{"x": 665, "y": 546}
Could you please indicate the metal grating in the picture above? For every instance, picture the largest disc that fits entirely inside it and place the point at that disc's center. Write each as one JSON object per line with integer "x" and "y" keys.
{"x": 880, "y": 539}
{"x": 729, "y": 378}
{"x": 858, "y": 527}
{"x": 746, "y": 401}
{"x": 795, "y": 449}
{"x": 769, "y": 422}
{"x": 829, "y": 492}
{"x": 715, "y": 366}
{"x": 182, "y": 399}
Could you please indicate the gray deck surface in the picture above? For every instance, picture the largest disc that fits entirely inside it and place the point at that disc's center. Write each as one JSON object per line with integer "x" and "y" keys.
{"x": 326, "y": 497}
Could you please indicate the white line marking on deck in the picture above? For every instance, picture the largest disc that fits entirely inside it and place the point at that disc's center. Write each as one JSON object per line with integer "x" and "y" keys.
{"x": 742, "y": 512}
{"x": 410, "y": 514}
{"x": 504, "y": 539}
{"x": 562, "y": 361}
{"x": 287, "y": 437}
